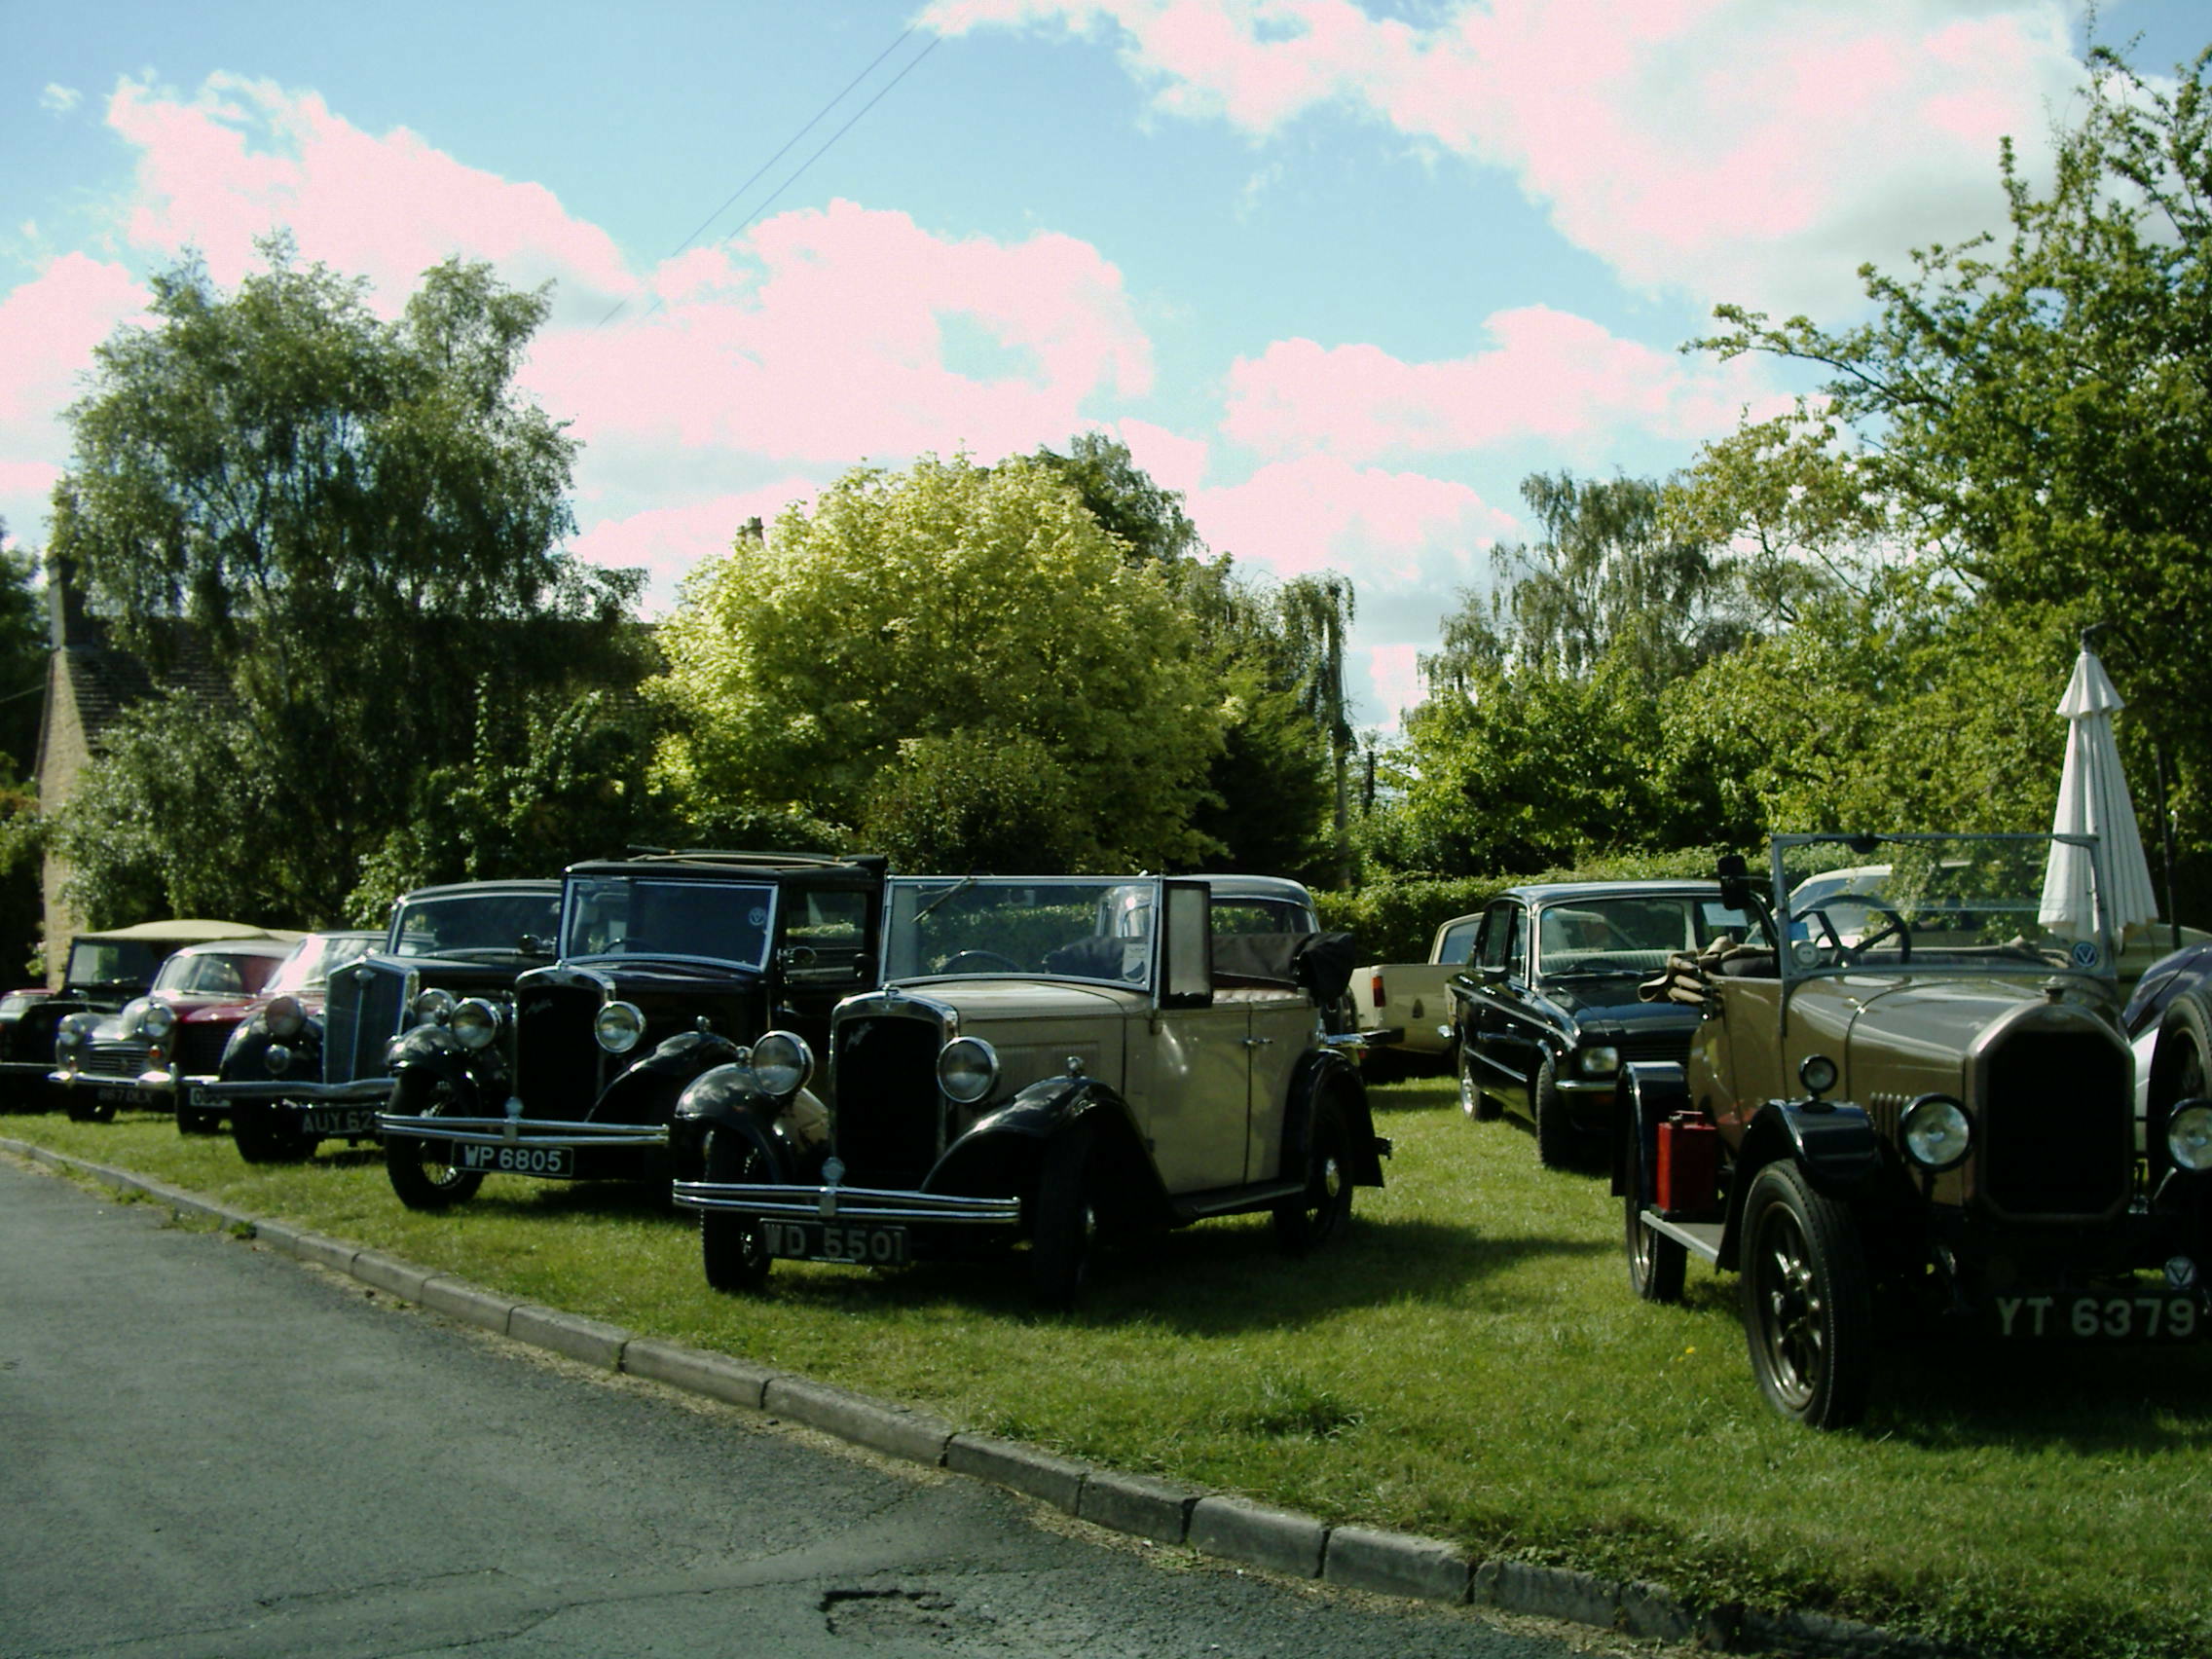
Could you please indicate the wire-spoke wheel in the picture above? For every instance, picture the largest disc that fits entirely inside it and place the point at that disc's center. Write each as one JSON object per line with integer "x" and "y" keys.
{"x": 1808, "y": 1306}
{"x": 419, "y": 1168}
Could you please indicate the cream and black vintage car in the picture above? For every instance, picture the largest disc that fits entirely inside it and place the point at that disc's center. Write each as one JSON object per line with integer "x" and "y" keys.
{"x": 1049, "y": 1058}
{"x": 1918, "y": 1111}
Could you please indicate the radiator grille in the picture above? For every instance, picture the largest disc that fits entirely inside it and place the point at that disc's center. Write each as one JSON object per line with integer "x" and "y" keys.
{"x": 889, "y": 1113}
{"x": 366, "y": 1010}
{"x": 199, "y": 1046}
{"x": 557, "y": 1058}
{"x": 1655, "y": 1044}
{"x": 117, "y": 1059}
{"x": 2058, "y": 1125}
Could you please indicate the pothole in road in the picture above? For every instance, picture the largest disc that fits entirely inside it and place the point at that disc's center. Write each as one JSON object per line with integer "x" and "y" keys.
{"x": 902, "y": 1615}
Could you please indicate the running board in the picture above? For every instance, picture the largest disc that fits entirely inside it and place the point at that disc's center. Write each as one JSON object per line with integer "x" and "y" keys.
{"x": 1702, "y": 1238}
{"x": 1229, "y": 1201}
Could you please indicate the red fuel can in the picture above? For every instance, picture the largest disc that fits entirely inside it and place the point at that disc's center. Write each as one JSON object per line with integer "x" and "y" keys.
{"x": 1689, "y": 1165}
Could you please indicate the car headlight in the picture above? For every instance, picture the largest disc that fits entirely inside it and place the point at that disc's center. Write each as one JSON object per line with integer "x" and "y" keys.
{"x": 433, "y": 1006}
{"x": 966, "y": 1069}
{"x": 1600, "y": 1061}
{"x": 277, "y": 1059}
{"x": 1818, "y": 1073}
{"x": 474, "y": 1023}
{"x": 618, "y": 1026}
{"x": 283, "y": 1018}
{"x": 1936, "y": 1131}
{"x": 157, "y": 1020}
{"x": 782, "y": 1062}
{"x": 2188, "y": 1134}
{"x": 73, "y": 1030}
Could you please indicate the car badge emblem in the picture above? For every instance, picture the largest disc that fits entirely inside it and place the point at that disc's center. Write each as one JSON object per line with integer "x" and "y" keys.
{"x": 833, "y": 1170}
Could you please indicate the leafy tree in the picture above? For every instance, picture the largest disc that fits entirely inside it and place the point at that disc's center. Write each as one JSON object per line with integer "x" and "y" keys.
{"x": 949, "y": 603}
{"x": 362, "y": 518}
{"x": 1125, "y": 498}
{"x": 2037, "y": 409}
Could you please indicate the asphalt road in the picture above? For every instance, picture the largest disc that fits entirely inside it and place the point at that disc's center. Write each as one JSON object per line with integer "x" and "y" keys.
{"x": 209, "y": 1450}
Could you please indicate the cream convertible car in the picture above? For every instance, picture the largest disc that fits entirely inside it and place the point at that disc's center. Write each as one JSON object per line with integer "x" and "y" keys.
{"x": 1049, "y": 1058}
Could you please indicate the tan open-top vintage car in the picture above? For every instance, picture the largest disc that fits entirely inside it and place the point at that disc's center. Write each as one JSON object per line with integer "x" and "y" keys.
{"x": 1910, "y": 1101}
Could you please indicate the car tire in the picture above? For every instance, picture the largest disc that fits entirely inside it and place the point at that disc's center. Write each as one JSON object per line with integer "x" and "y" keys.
{"x": 191, "y": 1120}
{"x": 733, "y": 1249}
{"x": 1324, "y": 1209}
{"x": 90, "y": 1111}
{"x": 1807, "y": 1299}
{"x": 1065, "y": 1237}
{"x": 1472, "y": 1101}
{"x": 1559, "y": 1143}
{"x": 262, "y": 1139}
{"x": 1657, "y": 1264}
{"x": 422, "y": 1182}
{"x": 2180, "y": 1066}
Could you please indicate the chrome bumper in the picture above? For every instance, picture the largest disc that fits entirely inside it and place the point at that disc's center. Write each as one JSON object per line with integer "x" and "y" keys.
{"x": 144, "y": 1082}
{"x": 510, "y": 1131}
{"x": 303, "y": 1092}
{"x": 774, "y": 1202}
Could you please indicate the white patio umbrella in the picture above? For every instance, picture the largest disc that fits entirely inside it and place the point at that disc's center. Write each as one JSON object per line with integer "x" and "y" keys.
{"x": 2092, "y": 800}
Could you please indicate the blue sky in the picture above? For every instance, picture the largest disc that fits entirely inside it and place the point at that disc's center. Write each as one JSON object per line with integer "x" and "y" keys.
{"x": 1344, "y": 274}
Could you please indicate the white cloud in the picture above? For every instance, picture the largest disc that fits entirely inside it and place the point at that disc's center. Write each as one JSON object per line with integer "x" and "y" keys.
{"x": 1758, "y": 150}
{"x": 1320, "y": 513}
{"x": 48, "y": 329}
{"x": 58, "y": 99}
{"x": 670, "y": 542}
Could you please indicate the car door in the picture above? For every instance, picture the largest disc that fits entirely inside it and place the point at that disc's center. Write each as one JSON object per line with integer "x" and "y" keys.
{"x": 1490, "y": 971}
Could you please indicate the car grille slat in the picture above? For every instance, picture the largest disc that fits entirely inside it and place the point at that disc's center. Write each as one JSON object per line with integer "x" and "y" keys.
{"x": 365, "y": 1011}
{"x": 557, "y": 1062}
{"x": 889, "y": 1115}
{"x": 2058, "y": 1127}
{"x": 200, "y": 1048}
{"x": 118, "y": 1059}
{"x": 1655, "y": 1044}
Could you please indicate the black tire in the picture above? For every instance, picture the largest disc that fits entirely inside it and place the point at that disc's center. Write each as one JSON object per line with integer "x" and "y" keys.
{"x": 1324, "y": 1209}
{"x": 2180, "y": 1066}
{"x": 422, "y": 1180}
{"x": 734, "y": 1248}
{"x": 82, "y": 1110}
{"x": 1472, "y": 1101}
{"x": 191, "y": 1120}
{"x": 1559, "y": 1144}
{"x": 1657, "y": 1264}
{"x": 1808, "y": 1301}
{"x": 1064, "y": 1239}
{"x": 262, "y": 1139}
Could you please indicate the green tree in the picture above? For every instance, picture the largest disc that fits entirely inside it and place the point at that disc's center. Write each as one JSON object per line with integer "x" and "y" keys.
{"x": 954, "y": 603}
{"x": 2036, "y": 409}
{"x": 361, "y": 519}
{"x": 1125, "y": 498}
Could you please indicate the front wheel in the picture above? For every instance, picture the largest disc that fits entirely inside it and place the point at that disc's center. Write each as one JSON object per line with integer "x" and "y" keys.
{"x": 419, "y": 1171}
{"x": 263, "y": 1139}
{"x": 1324, "y": 1209}
{"x": 1472, "y": 1101}
{"x": 734, "y": 1248}
{"x": 1657, "y": 1264}
{"x": 1065, "y": 1237}
{"x": 86, "y": 1110}
{"x": 193, "y": 1120}
{"x": 1808, "y": 1301}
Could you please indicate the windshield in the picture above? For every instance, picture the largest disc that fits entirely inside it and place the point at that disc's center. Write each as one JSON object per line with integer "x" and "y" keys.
{"x": 1063, "y": 928}
{"x": 218, "y": 974}
{"x": 1959, "y": 904}
{"x": 313, "y": 960}
{"x": 1633, "y": 932}
{"x": 112, "y": 962}
{"x": 476, "y": 924}
{"x": 667, "y": 920}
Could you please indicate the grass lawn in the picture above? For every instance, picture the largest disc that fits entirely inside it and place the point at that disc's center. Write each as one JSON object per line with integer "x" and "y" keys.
{"x": 1468, "y": 1364}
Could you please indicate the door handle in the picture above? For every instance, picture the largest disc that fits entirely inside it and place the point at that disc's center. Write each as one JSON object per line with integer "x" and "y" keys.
{"x": 1258, "y": 1042}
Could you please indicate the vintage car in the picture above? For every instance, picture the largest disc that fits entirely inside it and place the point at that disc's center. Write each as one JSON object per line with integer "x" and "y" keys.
{"x": 1928, "y": 1125}
{"x": 1546, "y": 1011}
{"x": 668, "y": 964}
{"x": 1050, "y": 1059}
{"x": 1403, "y": 1008}
{"x": 315, "y": 1064}
{"x": 103, "y": 971}
{"x": 143, "y": 1054}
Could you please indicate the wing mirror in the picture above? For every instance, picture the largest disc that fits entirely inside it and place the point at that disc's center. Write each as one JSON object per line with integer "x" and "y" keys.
{"x": 1735, "y": 882}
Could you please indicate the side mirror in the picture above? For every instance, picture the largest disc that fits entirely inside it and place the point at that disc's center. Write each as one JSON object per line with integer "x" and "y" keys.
{"x": 1735, "y": 881}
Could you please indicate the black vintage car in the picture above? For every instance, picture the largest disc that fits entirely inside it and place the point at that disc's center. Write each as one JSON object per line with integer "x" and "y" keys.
{"x": 315, "y": 1063}
{"x": 670, "y": 965}
{"x": 1547, "y": 1013}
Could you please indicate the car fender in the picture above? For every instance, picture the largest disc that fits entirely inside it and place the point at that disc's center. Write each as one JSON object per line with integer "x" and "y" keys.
{"x": 1833, "y": 1142}
{"x": 432, "y": 1050}
{"x": 1001, "y": 1152}
{"x": 1318, "y": 1073}
{"x": 1656, "y": 1091}
{"x": 648, "y": 1090}
{"x": 727, "y": 1096}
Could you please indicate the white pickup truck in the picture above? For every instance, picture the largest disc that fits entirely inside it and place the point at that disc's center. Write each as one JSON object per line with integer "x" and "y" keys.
{"x": 1405, "y": 1007}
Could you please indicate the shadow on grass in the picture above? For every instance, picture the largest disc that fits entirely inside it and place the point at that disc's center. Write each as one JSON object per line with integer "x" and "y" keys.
{"x": 1950, "y": 1393}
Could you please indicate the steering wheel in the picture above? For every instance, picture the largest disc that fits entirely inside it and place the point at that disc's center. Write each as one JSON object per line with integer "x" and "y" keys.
{"x": 979, "y": 962}
{"x": 1895, "y": 929}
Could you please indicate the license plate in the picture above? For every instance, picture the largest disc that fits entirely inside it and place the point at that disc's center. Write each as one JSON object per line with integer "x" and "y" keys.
{"x": 559, "y": 1162}
{"x": 112, "y": 1096}
{"x": 349, "y": 1120}
{"x": 837, "y": 1241}
{"x": 2101, "y": 1316}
